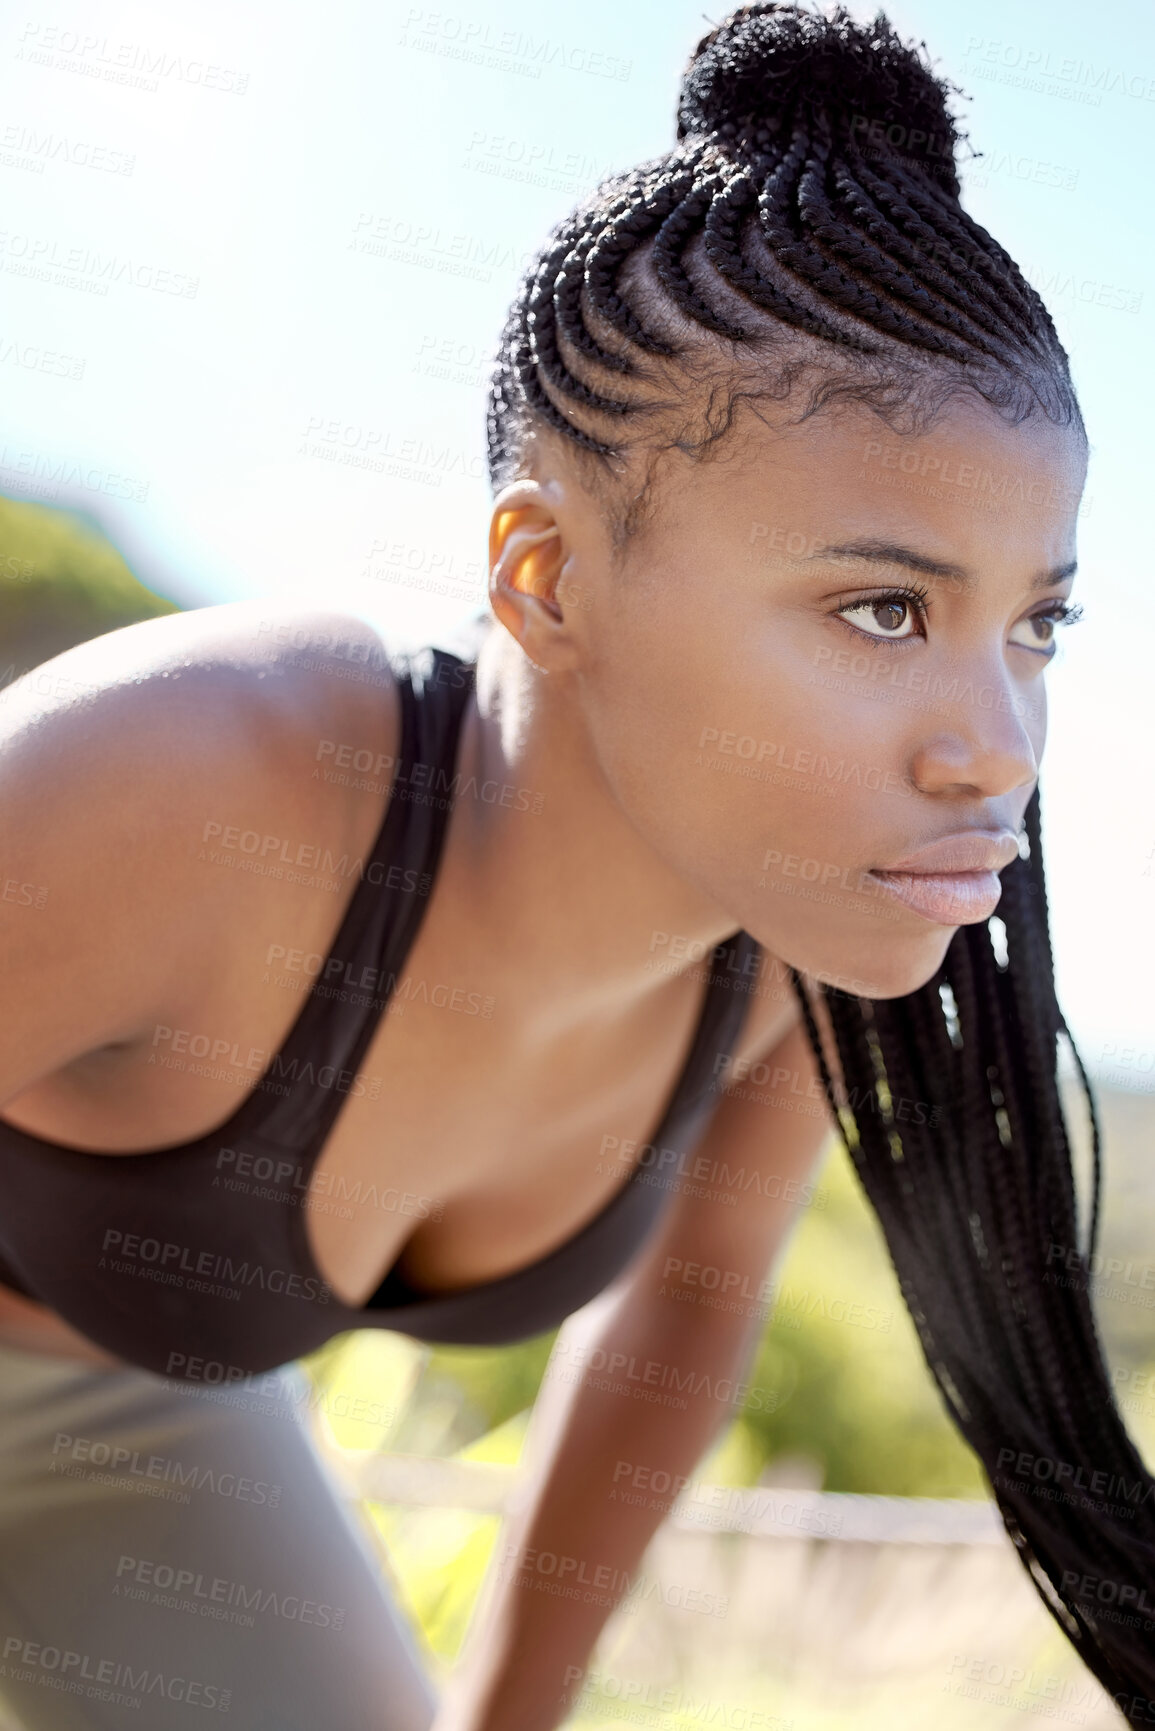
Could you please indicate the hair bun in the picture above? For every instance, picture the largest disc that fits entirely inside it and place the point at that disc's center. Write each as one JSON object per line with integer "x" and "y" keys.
{"x": 765, "y": 67}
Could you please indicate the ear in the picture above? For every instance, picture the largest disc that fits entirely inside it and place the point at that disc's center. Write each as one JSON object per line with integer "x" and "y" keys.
{"x": 527, "y": 558}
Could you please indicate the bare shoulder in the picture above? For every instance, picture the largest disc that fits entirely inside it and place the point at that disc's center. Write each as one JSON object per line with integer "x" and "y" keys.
{"x": 238, "y": 702}
{"x": 208, "y": 683}
{"x": 121, "y": 756}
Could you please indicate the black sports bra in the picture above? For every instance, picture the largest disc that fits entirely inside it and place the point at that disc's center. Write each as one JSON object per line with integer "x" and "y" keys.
{"x": 193, "y": 1261}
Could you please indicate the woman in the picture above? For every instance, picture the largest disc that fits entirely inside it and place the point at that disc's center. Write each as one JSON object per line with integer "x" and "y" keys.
{"x": 786, "y": 461}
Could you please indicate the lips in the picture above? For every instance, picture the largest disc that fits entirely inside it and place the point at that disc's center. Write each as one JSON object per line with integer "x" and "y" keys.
{"x": 952, "y": 881}
{"x": 971, "y": 850}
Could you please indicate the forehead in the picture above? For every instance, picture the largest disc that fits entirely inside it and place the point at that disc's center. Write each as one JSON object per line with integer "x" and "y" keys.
{"x": 969, "y": 485}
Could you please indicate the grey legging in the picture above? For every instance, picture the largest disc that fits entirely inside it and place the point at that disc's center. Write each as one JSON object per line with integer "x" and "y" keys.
{"x": 172, "y": 1556}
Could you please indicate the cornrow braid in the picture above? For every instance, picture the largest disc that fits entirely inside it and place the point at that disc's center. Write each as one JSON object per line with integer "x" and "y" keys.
{"x": 988, "y": 262}
{"x": 668, "y": 261}
{"x": 773, "y": 216}
{"x": 890, "y": 212}
{"x": 933, "y": 299}
{"x": 567, "y": 309}
{"x": 654, "y": 199}
{"x": 541, "y": 324}
{"x": 778, "y": 240}
{"x": 804, "y": 202}
{"x": 722, "y": 242}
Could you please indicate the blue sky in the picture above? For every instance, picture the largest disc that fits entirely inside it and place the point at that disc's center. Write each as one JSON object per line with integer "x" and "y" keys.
{"x": 254, "y": 258}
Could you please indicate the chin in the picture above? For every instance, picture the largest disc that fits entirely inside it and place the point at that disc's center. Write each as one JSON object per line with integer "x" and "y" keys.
{"x": 907, "y": 968}
{"x": 888, "y": 969}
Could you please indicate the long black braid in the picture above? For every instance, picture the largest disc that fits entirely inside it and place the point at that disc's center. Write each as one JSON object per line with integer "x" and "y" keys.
{"x": 807, "y": 225}
{"x": 987, "y": 1194}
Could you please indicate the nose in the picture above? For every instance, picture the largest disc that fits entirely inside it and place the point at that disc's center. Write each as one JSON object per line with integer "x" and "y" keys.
{"x": 984, "y": 746}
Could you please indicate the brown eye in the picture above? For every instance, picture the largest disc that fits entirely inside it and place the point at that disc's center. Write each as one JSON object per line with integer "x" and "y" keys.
{"x": 890, "y": 614}
{"x": 1040, "y": 627}
{"x": 882, "y": 616}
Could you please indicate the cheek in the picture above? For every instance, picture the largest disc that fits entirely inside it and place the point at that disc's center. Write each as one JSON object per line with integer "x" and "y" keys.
{"x": 718, "y": 756}
{"x": 649, "y": 697}
{"x": 795, "y": 762}
{"x": 796, "y": 825}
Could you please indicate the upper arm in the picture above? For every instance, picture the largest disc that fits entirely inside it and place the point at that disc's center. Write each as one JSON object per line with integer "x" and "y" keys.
{"x": 115, "y": 757}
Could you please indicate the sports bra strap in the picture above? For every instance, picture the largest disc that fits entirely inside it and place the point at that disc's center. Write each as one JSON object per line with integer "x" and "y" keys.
{"x": 299, "y": 1097}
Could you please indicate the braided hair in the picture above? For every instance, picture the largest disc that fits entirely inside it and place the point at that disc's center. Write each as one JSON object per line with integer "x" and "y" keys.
{"x": 805, "y": 234}
{"x": 804, "y": 231}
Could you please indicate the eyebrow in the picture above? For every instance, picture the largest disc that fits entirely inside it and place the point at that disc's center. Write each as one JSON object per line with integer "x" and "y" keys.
{"x": 888, "y": 553}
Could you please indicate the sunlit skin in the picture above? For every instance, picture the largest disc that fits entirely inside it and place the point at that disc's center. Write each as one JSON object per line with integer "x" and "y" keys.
{"x": 617, "y": 694}
{"x": 731, "y": 637}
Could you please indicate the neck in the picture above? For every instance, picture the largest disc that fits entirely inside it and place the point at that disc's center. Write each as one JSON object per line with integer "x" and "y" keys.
{"x": 579, "y": 896}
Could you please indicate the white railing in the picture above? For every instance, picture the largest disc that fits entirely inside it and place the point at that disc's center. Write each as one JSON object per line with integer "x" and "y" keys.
{"x": 420, "y": 1482}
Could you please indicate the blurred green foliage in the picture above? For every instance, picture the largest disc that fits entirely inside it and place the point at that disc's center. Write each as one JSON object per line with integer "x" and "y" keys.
{"x": 61, "y": 582}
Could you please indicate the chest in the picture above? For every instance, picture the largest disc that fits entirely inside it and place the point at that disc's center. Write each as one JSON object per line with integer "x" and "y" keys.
{"x": 468, "y": 1149}
{"x": 477, "y": 1130}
